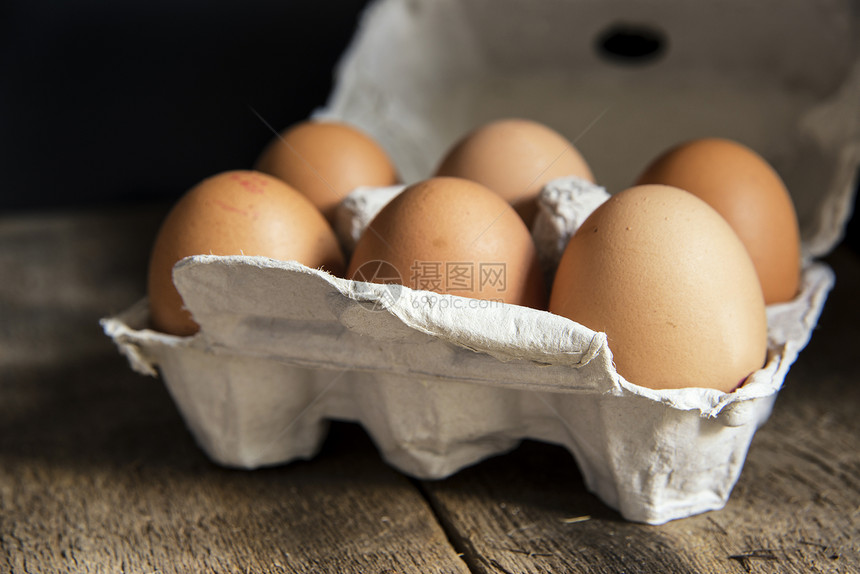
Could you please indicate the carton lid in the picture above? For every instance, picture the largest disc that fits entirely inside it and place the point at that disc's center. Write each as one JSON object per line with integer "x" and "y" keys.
{"x": 421, "y": 73}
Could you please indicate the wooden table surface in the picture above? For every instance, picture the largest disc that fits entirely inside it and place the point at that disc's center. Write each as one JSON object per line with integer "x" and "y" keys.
{"x": 99, "y": 474}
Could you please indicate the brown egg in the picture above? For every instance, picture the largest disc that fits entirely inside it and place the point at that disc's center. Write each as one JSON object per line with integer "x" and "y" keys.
{"x": 750, "y": 195}
{"x": 325, "y": 161}
{"x": 514, "y": 158}
{"x": 669, "y": 282}
{"x": 450, "y": 235}
{"x": 235, "y": 213}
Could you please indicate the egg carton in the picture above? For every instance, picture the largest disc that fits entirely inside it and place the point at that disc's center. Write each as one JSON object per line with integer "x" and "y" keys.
{"x": 441, "y": 382}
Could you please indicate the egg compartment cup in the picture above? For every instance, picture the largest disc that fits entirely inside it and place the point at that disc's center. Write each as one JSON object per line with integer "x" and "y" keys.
{"x": 441, "y": 382}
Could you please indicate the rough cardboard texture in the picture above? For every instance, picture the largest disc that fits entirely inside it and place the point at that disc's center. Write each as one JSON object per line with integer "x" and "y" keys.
{"x": 441, "y": 383}
{"x": 420, "y": 74}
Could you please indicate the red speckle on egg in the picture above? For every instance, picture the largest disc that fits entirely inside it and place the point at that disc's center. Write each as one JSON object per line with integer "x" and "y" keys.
{"x": 228, "y": 214}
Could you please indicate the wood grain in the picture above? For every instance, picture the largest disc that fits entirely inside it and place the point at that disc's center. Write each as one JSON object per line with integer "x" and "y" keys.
{"x": 795, "y": 509}
{"x": 98, "y": 473}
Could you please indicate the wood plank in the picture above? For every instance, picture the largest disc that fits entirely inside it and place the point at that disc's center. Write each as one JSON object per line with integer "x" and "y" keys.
{"x": 796, "y": 507}
{"x": 98, "y": 473}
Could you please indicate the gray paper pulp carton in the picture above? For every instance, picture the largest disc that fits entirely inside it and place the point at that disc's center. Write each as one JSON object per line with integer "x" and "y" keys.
{"x": 441, "y": 382}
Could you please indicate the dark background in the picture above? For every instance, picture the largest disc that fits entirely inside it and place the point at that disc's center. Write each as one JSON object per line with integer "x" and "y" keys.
{"x": 115, "y": 102}
{"x": 108, "y": 103}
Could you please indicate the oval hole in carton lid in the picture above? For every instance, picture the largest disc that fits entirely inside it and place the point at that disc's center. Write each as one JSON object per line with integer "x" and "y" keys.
{"x": 627, "y": 43}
